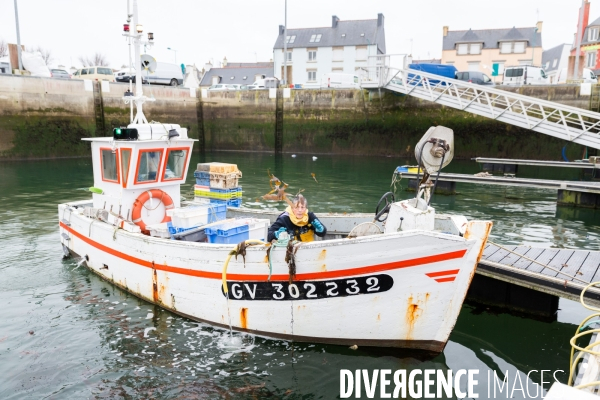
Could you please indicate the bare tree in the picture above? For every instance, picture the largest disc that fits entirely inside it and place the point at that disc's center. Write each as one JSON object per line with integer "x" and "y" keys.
{"x": 3, "y": 48}
{"x": 46, "y": 55}
{"x": 98, "y": 59}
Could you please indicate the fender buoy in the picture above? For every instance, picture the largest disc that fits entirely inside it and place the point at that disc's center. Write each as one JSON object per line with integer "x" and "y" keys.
{"x": 138, "y": 204}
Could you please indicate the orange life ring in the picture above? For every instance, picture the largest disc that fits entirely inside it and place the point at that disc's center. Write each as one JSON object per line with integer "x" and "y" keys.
{"x": 138, "y": 204}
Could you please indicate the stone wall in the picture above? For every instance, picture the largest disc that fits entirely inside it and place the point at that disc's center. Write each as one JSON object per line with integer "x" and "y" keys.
{"x": 361, "y": 122}
{"x": 43, "y": 117}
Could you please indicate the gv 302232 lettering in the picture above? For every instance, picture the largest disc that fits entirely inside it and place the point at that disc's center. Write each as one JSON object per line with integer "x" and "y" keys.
{"x": 309, "y": 290}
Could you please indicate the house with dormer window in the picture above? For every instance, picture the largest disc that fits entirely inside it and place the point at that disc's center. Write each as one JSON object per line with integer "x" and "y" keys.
{"x": 589, "y": 57}
{"x": 343, "y": 47}
{"x": 489, "y": 50}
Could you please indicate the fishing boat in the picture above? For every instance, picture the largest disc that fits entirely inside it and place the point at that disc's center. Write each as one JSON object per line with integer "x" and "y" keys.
{"x": 394, "y": 279}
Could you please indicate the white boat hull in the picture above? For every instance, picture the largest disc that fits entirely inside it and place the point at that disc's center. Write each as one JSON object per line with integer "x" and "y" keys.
{"x": 403, "y": 289}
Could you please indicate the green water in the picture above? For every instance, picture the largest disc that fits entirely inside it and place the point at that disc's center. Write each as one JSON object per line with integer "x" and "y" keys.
{"x": 92, "y": 340}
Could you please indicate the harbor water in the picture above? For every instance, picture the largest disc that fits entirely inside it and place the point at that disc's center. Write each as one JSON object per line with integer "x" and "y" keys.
{"x": 67, "y": 334}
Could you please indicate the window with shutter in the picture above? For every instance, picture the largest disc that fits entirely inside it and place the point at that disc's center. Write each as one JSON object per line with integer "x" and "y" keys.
{"x": 361, "y": 53}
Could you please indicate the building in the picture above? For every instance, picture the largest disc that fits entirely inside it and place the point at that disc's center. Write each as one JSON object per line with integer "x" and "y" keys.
{"x": 343, "y": 47}
{"x": 236, "y": 73}
{"x": 192, "y": 77}
{"x": 487, "y": 50}
{"x": 589, "y": 56}
{"x": 555, "y": 60}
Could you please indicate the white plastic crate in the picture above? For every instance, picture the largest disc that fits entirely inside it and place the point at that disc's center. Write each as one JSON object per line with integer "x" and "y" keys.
{"x": 159, "y": 230}
{"x": 196, "y": 215}
{"x": 258, "y": 229}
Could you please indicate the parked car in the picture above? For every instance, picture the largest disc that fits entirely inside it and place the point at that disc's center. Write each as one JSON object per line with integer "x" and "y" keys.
{"x": 124, "y": 76}
{"x": 95, "y": 74}
{"x": 474, "y": 77}
{"x": 587, "y": 76}
{"x": 266, "y": 83}
{"x": 165, "y": 74}
{"x": 221, "y": 87}
{"x": 447, "y": 71}
{"x": 60, "y": 73}
{"x": 525, "y": 75}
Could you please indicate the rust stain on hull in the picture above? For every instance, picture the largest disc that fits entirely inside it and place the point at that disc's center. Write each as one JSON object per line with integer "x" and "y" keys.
{"x": 324, "y": 268}
{"x": 413, "y": 312}
{"x": 154, "y": 285}
{"x": 244, "y": 318}
{"x": 322, "y": 254}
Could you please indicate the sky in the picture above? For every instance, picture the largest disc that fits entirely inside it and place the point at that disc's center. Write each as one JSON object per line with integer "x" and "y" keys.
{"x": 200, "y": 31}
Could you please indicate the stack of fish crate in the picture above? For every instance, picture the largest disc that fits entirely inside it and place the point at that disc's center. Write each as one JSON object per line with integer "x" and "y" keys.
{"x": 218, "y": 183}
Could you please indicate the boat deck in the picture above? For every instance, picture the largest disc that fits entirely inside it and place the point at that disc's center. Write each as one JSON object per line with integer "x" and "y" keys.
{"x": 580, "y": 265}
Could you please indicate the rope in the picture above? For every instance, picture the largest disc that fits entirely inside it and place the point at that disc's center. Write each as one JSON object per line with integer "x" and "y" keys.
{"x": 277, "y": 243}
{"x": 578, "y": 334}
{"x": 162, "y": 194}
{"x": 232, "y": 253}
{"x": 539, "y": 263}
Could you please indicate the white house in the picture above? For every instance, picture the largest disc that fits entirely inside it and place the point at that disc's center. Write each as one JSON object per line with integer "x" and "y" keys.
{"x": 555, "y": 60}
{"x": 343, "y": 47}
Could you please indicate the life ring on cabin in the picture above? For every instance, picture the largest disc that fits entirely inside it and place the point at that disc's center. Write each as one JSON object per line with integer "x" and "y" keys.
{"x": 138, "y": 205}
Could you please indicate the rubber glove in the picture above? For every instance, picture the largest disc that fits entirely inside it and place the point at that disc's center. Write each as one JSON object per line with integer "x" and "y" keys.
{"x": 318, "y": 226}
{"x": 282, "y": 229}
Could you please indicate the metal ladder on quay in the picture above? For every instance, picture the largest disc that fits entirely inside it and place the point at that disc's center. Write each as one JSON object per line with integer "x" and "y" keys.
{"x": 99, "y": 109}
{"x": 564, "y": 122}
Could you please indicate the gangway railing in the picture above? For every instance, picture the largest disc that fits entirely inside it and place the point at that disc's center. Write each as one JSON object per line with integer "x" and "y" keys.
{"x": 547, "y": 117}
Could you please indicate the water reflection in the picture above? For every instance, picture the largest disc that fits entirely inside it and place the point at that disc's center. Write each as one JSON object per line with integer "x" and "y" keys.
{"x": 91, "y": 339}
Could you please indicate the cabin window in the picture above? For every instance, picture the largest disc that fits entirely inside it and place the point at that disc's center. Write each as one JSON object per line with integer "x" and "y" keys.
{"x": 176, "y": 163}
{"x": 147, "y": 168}
{"x": 109, "y": 165}
{"x": 125, "y": 160}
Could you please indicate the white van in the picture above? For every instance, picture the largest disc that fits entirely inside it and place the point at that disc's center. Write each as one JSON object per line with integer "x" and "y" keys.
{"x": 525, "y": 75}
{"x": 165, "y": 74}
{"x": 338, "y": 80}
{"x": 588, "y": 76}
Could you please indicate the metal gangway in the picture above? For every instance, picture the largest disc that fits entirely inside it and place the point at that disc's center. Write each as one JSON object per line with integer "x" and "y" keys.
{"x": 568, "y": 123}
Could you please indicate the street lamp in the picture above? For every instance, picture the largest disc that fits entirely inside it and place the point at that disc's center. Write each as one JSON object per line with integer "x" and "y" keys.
{"x": 168, "y": 48}
{"x": 18, "y": 38}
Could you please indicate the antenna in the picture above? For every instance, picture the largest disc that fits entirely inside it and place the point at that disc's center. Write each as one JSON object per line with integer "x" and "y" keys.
{"x": 147, "y": 63}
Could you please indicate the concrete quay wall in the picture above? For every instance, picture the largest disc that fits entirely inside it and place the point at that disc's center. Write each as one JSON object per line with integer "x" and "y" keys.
{"x": 44, "y": 117}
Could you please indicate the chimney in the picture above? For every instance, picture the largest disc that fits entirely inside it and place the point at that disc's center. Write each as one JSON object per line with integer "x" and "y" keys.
{"x": 334, "y": 21}
{"x": 281, "y": 29}
{"x": 539, "y": 27}
{"x": 586, "y": 17}
{"x": 380, "y": 19}
{"x": 445, "y": 31}
{"x": 224, "y": 62}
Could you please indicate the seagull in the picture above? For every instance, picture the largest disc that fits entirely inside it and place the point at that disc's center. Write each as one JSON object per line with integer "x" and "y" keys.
{"x": 314, "y": 158}
{"x": 293, "y": 156}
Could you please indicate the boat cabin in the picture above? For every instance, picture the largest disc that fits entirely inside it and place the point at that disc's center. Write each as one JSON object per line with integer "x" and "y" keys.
{"x": 139, "y": 159}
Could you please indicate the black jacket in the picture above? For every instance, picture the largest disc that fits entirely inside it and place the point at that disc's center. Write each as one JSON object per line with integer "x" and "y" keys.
{"x": 293, "y": 230}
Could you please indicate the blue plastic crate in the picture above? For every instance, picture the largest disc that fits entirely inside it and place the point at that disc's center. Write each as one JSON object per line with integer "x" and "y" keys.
{"x": 228, "y": 203}
{"x": 218, "y": 212}
{"x": 227, "y": 234}
{"x": 202, "y": 178}
{"x": 173, "y": 230}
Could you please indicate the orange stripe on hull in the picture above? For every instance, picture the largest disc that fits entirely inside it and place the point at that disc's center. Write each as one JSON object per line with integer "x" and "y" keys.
{"x": 414, "y": 262}
{"x": 442, "y": 273}
{"x": 445, "y": 279}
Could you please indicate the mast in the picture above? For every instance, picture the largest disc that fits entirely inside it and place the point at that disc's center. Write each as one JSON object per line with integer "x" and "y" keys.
{"x": 139, "y": 97}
